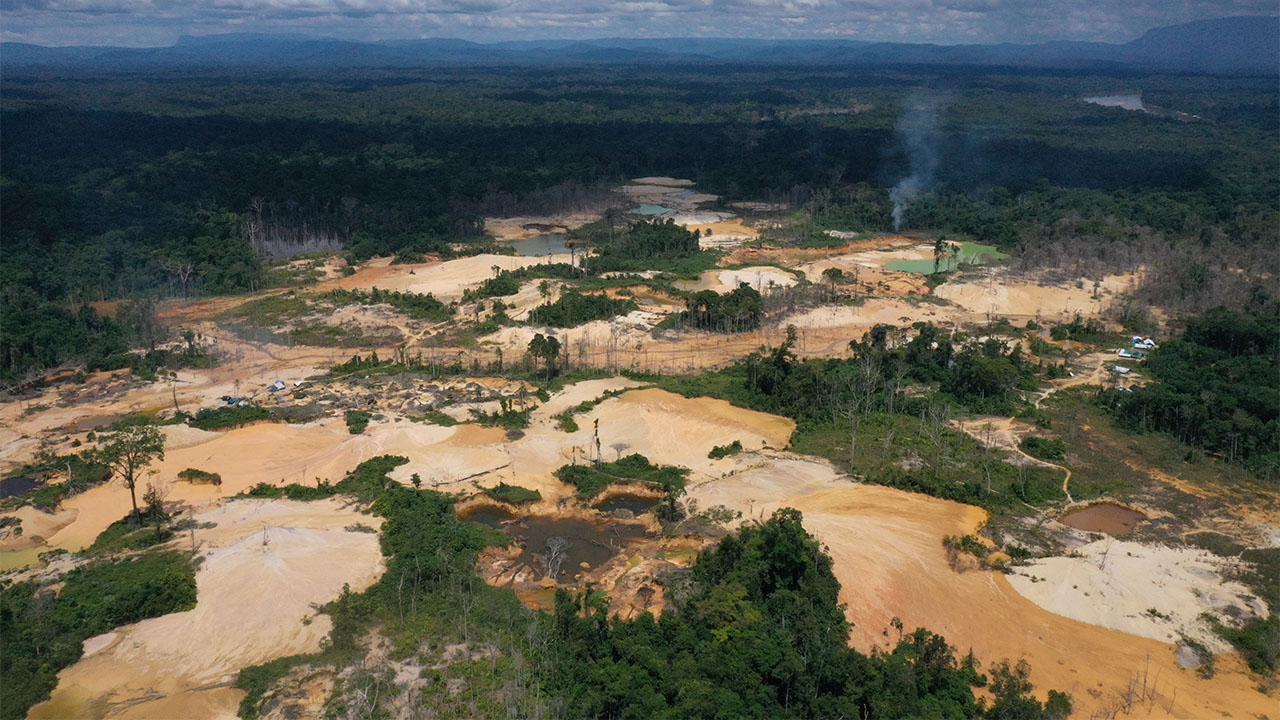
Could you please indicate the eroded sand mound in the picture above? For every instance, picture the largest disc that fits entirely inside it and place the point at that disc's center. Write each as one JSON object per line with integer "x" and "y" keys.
{"x": 674, "y": 430}
{"x": 254, "y": 604}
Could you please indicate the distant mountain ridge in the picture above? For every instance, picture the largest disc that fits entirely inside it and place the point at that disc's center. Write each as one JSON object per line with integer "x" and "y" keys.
{"x": 1236, "y": 45}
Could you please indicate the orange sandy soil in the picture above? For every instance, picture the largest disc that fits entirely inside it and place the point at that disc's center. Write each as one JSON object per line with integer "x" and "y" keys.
{"x": 906, "y": 575}
{"x": 886, "y": 543}
{"x": 991, "y": 290}
{"x": 887, "y": 548}
{"x": 255, "y": 603}
{"x": 789, "y": 256}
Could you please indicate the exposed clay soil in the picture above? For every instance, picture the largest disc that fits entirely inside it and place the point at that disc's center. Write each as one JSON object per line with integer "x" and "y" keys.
{"x": 255, "y": 603}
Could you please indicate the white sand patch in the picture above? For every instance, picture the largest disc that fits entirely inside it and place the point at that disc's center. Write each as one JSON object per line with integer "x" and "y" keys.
{"x": 447, "y": 280}
{"x": 661, "y": 180}
{"x": 759, "y": 277}
{"x": 701, "y": 217}
{"x": 580, "y": 392}
{"x": 179, "y": 437}
{"x": 1115, "y": 583}
{"x": 869, "y": 313}
{"x": 756, "y": 484}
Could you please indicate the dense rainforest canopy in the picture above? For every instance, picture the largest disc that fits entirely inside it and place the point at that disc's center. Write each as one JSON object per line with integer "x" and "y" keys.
{"x": 181, "y": 184}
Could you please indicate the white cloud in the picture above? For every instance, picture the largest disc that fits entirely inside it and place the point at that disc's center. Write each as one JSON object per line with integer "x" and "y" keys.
{"x": 158, "y": 22}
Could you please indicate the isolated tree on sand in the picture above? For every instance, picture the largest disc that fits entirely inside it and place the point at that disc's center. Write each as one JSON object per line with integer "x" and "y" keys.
{"x": 546, "y": 349}
{"x": 940, "y": 251}
{"x": 128, "y": 452}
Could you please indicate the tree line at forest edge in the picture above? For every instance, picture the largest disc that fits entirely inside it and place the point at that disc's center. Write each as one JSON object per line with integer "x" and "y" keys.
{"x": 142, "y": 193}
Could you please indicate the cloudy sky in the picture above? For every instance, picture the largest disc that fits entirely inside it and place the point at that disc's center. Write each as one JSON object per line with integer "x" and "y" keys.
{"x": 161, "y": 22}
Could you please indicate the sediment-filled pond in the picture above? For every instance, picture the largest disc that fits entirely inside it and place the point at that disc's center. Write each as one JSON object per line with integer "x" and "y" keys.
{"x": 1109, "y": 518}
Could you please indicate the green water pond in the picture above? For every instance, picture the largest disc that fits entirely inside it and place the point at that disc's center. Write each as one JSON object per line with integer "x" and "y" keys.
{"x": 971, "y": 253}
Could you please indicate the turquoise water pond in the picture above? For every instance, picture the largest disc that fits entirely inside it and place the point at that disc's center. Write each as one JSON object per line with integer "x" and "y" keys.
{"x": 548, "y": 244}
{"x": 651, "y": 210}
{"x": 971, "y": 253}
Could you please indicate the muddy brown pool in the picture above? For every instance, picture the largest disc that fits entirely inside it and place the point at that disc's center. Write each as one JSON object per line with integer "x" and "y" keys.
{"x": 1109, "y": 518}
{"x": 635, "y": 503}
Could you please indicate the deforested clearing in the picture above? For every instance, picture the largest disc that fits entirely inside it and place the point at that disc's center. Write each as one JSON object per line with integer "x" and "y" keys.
{"x": 585, "y": 379}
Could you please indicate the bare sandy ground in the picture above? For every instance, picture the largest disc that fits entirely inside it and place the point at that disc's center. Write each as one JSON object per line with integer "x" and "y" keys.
{"x": 886, "y": 545}
{"x": 445, "y": 280}
{"x": 668, "y": 183}
{"x": 274, "y": 454}
{"x": 630, "y": 341}
{"x": 888, "y": 556}
{"x": 513, "y": 228}
{"x": 870, "y": 273}
{"x": 725, "y": 233}
{"x": 760, "y": 277}
{"x": 1116, "y": 583}
{"x": 993, "y": 291}
{"x": 254, "y": 604}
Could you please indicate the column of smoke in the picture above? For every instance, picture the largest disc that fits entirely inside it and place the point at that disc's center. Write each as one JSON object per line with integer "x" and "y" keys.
{"x": 920, "y": 138}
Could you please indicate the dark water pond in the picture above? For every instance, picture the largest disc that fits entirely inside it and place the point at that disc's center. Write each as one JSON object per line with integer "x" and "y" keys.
{"x": 494, "y": 517}
{"x": 17, "y": 485}
{"x": 635, "y": 503}
{"x": 1109, "y": 518}
{"x": 559, "y": 546}
{"x": 539, "y": 245}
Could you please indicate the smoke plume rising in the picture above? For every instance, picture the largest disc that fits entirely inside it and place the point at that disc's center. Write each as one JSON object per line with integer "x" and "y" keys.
{"x": 921, "y": 139}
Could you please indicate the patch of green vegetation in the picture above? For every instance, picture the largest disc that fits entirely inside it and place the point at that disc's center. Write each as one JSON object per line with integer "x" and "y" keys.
{"x": 513, "y": 494}
{"x": 591, "y": 479}
{"x": 42, "y": 632}
{"x": 86, "y": 471}
{"x": 1216, "y": 387}
{"x": 967, "y": 544}
{"x": 200, "y": 477}
{"x": 371, "y": 364}
{"x": 430, "y": 575}
{"x": 322, "y": 334}
{"x": 436, "y": 417}
{"x": 132, "y": 532}
{"x": 1091, "y": 331}
{"x": 228, "y": 416}
{"x": 357, "y": 420}
{"x": 413, "y": 305}
{"x": 506, "y": 417}
{"x": 272, "y": 310}
{"x": 573, "y": 308}
{"x": 1048, "y": 449}
{"x": 898, "y": 451}
{"x": 737, "y": 311}
{"x": 764, "y": 599}
{"x": 565, "y": 419}
{"x": 508, "y": 282}
{"x": 292, "y": 491}
{"x": 724, "y": 451}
